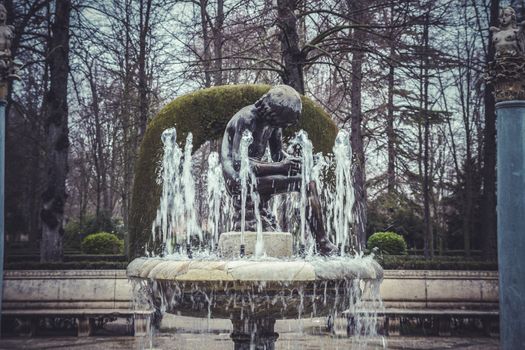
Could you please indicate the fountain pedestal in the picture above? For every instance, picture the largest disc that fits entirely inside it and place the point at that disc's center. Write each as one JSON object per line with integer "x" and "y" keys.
{"x": 254, "y": 293}
{"x": 276, "y": 244}
{"x": 253, "y": 333}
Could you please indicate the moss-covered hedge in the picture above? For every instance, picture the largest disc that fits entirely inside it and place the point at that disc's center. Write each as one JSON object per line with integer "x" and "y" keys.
{"x": 205, "y": 113}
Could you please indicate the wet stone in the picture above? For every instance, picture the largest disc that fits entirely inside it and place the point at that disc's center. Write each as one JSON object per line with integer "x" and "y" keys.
{"x": 276, "y": 244}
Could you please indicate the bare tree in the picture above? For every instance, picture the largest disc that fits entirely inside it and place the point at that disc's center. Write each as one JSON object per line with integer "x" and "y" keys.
{"x": 56, "y": 123}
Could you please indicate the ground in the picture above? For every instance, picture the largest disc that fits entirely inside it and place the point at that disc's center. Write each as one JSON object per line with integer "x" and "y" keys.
{"x": 194, "y": 333}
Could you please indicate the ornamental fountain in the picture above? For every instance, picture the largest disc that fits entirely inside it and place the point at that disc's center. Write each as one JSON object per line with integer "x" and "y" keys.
{"x": 243, "y": 267}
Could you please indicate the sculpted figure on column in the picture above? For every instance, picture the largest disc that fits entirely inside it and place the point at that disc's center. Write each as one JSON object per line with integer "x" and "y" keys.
{"x": 509, "y": 38}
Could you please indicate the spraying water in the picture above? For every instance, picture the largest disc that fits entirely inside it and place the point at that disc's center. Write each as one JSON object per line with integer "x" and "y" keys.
{"x": 244, "y": 174}
{"x": 301, "y": 141}
{"x": 188, "y": 182}
{"x": 248, "y": 182}
{"x": 176, "y": 216}
{"x": 343, "y": 201}
{"x": 216, "y": 195}
{"x": 171, "y": 205}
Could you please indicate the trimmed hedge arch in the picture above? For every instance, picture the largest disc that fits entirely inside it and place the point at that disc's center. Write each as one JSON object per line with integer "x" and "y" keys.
{"x": 205, "y": 113}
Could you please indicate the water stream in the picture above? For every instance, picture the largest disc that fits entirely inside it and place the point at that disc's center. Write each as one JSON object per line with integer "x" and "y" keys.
{"x": 177, "y": 221}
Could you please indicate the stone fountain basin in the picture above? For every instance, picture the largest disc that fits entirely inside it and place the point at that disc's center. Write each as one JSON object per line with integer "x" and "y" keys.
{"x": 261, "y": 288}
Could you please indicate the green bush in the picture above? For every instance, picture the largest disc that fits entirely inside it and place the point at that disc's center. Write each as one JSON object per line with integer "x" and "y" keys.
{"x": 389, "y": 243}
{"x": 398, "y": 213}
{"x": 102, "y": 243}
{"x": 76, "y": 230}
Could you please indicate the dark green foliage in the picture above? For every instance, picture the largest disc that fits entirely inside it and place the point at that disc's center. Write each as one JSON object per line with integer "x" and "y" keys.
{"x": 70, "y": 258}
{"x": 456, "y": 210}
{"x": 76, "y": 230}
{"x": 205, "y": 114}
{"x": 73, "y": 265}
{"x": 396, "y": 212}
{"x": 393, "y": 262}
{"x": 389, "y": 243}
{"x": 102, "y": 243}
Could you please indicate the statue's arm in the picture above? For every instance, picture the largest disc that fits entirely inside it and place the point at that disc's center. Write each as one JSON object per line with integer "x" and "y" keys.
{"x": 235, "y": 135}
{"x": 276, "y": 146}
{"x": 283, "y": 165}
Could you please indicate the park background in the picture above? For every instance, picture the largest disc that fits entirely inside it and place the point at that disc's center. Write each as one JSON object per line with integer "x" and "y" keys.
{"x": 406, "y": 78}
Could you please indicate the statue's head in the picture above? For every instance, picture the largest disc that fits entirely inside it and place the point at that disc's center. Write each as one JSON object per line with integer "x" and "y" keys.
{"x": 507, "y": 16}
{"x": 3, "y": 13}
{"x": 281, "y": 106}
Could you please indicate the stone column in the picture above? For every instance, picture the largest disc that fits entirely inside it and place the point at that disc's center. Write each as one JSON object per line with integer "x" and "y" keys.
{"x": 8, "y": 72}
{"x": 507, "y": 74}
{"x": 511, "y": 221}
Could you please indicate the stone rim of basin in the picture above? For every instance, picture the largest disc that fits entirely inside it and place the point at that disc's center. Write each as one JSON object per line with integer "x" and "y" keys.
{"x": 244, "y": 270}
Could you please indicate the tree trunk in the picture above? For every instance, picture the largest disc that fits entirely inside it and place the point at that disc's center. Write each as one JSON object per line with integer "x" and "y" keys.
{"x": 291, "y": 54}
{"x": 390, "y": 133}
{"x": 488, "y": 208}
{"x": 293, "y": 60}
{"x": 356, "y": 133}
{"x": 217, "y": 43}
{"x": 206, "y": 43}
{"x": 429, "y": 237}
{"x": 468, "y": 196}
{"x": 56, "y": 123}
{"x": 145, "y": 12}
{"x": 129, "y": 131}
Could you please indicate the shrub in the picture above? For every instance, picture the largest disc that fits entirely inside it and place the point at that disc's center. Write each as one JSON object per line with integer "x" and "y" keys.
{"x": 102, "y": 243}
{"x": 76, "y": 230}
{"x": 389, "y": 243}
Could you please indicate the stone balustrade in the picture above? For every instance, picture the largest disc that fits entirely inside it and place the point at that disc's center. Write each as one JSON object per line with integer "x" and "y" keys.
{"x": 110, "y": 289}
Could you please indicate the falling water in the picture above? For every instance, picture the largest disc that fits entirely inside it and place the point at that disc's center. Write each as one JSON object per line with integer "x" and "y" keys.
{"x": 343, "y": 201}
{"x": 216, "y": 195}
{"x": 301, "y": 140}
{"x": 244, "y": 174}
{"x": 192, "y": 227}
{"x": 171, "y": 207}
{"x": 248, "y": 181}
{"x": 176, "y": 213}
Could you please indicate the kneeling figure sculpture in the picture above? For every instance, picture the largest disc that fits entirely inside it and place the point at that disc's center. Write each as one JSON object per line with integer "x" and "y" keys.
{"x": 278, "y": 108}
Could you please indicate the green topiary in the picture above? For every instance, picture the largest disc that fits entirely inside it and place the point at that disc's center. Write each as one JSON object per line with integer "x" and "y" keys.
{"x": 205, "y": 114}
{"x": 389, "y": 243}
{"x": 102, "y": 243}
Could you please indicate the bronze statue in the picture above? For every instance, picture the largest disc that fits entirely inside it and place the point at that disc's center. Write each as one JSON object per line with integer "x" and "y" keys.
{"x": 278, "y": 108}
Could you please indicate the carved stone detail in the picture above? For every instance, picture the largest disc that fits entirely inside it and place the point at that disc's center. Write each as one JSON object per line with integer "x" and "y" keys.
{"x": 507, "y": 72}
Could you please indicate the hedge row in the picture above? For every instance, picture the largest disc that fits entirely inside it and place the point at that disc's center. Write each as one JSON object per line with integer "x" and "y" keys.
{"x": 388, "y": 263}
{"x": 393, "y": 262}
{"x": 69, "y": 258}
{"x": 76, "y": 265}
